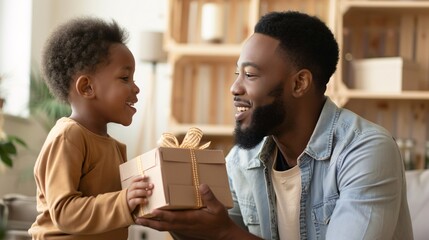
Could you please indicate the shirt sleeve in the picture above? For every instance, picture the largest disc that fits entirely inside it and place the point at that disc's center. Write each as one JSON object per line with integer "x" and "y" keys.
{"x": 371, "y": 184}
{"x": 59, "y": 175}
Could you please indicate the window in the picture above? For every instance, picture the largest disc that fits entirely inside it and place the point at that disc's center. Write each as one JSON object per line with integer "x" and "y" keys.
{"x": 15, "y": 55}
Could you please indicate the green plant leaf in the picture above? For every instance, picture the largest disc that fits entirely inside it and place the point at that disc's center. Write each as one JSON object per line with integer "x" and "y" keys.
{"x": 5, "y": 158}
{"x": 17, "y": 140}
{"x": 8, "y": 147}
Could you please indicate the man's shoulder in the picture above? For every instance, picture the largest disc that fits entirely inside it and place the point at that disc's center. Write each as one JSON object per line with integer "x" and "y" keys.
{"x": 343, "y": 119}
{"x": 358, "y": 124}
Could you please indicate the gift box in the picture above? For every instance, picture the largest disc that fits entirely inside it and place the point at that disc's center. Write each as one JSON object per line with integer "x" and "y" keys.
{"x": 176, "y": 173}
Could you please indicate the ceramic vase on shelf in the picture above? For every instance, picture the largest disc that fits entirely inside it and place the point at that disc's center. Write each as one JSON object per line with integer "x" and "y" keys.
{"x": 211, "y": 22}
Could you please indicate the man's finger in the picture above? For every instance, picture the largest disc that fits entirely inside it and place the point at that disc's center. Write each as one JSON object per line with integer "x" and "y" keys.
{"x": 151, "y": 223}
{"x": 209, "y": 199}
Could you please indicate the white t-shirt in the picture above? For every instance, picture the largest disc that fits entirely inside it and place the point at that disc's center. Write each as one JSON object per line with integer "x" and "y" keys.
{"x": 287, "y": 186}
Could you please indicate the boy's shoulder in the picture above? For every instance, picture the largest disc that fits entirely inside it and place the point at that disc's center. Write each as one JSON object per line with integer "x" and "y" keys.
{"x": 65, "y": 128}
{"x": 69, "y": 130}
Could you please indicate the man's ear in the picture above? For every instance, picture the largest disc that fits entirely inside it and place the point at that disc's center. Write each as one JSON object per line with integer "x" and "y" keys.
{"x": 84, "y": 87}
{"x": 303, "y": 80}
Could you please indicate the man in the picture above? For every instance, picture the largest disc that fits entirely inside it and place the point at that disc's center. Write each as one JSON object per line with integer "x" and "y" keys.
{"x": 302, "y": 168}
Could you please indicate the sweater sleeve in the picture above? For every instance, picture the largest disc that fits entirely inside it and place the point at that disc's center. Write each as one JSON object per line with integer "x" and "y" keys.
{"x": 62, "y": 169}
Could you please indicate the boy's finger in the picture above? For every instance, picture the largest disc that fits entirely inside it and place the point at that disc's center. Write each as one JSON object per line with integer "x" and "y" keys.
{"x": 140, "y": 178}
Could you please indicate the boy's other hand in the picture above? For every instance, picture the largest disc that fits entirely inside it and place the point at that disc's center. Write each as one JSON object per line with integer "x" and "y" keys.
{"x": 138, "y": 191}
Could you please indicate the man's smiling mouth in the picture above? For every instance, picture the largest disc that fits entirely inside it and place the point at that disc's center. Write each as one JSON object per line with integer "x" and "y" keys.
{"x": 242, "y": 109}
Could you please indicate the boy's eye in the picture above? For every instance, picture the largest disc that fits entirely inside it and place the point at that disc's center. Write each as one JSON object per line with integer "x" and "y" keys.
{"x": 249, "y": 75}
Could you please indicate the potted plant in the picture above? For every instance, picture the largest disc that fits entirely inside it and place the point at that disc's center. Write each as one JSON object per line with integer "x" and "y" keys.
{"x": 8, "y": 148}
{"x": 8, "y": 143}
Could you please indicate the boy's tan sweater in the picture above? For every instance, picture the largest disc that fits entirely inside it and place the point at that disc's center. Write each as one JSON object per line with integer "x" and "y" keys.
{"x": 79, "y": 192}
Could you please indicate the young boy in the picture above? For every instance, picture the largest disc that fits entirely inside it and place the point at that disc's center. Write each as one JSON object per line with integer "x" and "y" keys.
{"x": 87, "y": 64}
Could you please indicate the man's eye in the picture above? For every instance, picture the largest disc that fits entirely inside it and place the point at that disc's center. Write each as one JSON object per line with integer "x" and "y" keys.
{"x": 248, "y": 75}
{"x": 125, "y": 79}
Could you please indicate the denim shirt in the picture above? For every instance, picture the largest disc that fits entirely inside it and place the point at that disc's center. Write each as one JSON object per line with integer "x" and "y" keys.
{"x": 352, "y": 179}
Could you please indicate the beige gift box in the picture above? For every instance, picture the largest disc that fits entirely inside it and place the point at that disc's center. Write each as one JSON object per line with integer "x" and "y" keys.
{"x": 176, "y": 174}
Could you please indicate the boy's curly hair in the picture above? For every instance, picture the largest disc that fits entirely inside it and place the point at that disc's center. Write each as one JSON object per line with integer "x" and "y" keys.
{"x": 306, "y": 40}
{"x": 77, "y": 46}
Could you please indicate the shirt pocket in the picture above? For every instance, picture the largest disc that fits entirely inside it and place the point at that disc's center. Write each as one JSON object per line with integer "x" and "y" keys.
{"x": 250, "y": 216}
{"x": 249, "y": 211}
{"x": 322, "y": 212}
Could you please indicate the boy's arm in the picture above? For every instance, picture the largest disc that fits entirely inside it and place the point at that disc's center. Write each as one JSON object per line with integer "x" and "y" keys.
{"x": 59, "y": 175}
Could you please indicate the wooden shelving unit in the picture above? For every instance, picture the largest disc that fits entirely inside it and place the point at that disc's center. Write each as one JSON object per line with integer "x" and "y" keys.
{"x": 203, "y": 72}
{"x": 397, "y": 28}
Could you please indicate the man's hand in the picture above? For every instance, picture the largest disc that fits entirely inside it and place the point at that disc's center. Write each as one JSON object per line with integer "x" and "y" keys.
{"x": 210, "y": 222}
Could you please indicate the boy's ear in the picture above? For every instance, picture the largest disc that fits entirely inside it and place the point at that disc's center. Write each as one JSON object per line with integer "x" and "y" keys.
{"x": 303, "y": 80}
{"x": 84, "y": 87}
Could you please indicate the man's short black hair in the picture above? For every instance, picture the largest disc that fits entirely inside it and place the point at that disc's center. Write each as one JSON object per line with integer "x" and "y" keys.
{"x": 77, "y": 46}
{"x": 306, "y": 41}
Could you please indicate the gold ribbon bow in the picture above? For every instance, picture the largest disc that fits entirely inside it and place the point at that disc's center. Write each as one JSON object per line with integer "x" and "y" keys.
{"x": 191, "y": 141}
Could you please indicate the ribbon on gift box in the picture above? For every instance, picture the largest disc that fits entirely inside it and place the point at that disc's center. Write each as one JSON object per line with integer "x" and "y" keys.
{"x": 143, "y": 209}
{"x": 190, "y": 141}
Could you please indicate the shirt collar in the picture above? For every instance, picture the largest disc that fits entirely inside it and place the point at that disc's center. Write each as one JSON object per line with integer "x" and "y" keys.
{"x": 320, "y": 144}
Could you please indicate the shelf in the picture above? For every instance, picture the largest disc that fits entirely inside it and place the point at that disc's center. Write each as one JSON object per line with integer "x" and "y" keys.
{"x": 376, "y": 29}
{"x": 220, "y": 136}
{"x": 205, "y": 50}
{"x": 201, "y": 90}
{"x": 185, "y": 20}
{"x": 203, "y": 70}
{"x": 383, "y": 5}
{"x": 344, "y": 94}
{"x": 404, "y": 95}
{"x": 321, "y": 8}
{"x": 208, "y": 130}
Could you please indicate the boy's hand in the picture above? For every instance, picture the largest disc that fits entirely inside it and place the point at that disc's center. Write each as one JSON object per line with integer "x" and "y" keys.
{"x": 138, "y": 191}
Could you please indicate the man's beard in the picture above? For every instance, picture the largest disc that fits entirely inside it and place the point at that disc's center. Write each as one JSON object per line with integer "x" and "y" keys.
{"x": 264, "y": 120}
